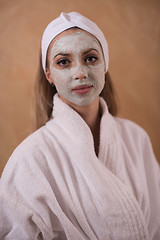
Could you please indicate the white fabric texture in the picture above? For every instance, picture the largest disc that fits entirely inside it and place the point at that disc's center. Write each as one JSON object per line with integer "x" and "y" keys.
{"x": 55, "y": 187}
{"x": 66, "y": 21}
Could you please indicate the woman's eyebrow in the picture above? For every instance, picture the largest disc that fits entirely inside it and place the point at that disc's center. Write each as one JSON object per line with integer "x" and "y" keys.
{"x": 62, "y": 54}
{"x": 89, "y": 50}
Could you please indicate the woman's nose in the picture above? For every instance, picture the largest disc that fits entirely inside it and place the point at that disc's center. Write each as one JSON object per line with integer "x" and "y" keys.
{"x": 80, "y": 73}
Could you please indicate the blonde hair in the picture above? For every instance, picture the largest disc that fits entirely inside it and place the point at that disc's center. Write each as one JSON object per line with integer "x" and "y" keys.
{"x": 44, "y": 92}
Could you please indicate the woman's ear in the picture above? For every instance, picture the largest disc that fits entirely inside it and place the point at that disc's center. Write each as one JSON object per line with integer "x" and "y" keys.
{"x": 48, "y": 76}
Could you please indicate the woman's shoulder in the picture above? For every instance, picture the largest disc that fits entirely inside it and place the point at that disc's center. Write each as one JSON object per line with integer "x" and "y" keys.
{"x": 137, "y": 141}
{"x": 128, "y": 127}
{"x": 132, "y": 135}
{"x": 34, "y": 141}
{"x": 29, "y": 152}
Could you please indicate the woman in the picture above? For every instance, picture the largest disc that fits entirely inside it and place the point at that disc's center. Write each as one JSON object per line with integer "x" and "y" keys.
{"x": 84, "y": 174}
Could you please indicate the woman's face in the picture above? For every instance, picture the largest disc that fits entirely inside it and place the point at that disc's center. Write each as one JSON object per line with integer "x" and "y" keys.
{"x": 76, "y": 67}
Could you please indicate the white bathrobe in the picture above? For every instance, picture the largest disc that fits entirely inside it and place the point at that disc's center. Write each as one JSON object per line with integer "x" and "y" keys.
{"x": 55, "y": 187}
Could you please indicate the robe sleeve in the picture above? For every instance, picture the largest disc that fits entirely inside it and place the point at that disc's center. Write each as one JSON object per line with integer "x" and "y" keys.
{"x": 24, "y": 191}
{"x": 152, "y": 172}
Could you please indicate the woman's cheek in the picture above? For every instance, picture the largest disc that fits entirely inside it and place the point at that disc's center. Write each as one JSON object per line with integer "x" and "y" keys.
{"x": 56, "y": 74}
{"x": 98, "y": 72}
{"x": 60, "y": 77}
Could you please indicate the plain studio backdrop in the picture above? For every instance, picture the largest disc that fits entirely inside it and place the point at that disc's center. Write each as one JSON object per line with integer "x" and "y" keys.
{"x": 132, "y": 29}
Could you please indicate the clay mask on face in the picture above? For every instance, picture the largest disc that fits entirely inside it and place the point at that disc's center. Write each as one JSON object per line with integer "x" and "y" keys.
{"x": 77, "y": 68}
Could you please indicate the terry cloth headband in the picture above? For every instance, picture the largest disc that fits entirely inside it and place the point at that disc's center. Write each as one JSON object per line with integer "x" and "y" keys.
{"x": 66, "y": 21}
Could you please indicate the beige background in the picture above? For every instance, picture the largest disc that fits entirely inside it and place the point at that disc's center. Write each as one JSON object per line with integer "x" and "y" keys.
{"x": 132, "y": 28}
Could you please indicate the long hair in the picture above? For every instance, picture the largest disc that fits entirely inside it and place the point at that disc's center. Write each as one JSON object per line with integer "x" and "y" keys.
{"x": 44, "y": 92}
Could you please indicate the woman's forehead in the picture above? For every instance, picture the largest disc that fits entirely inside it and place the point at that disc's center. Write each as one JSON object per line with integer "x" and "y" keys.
{"x": 70, "y": 31}
{"x": 76, "y": 39}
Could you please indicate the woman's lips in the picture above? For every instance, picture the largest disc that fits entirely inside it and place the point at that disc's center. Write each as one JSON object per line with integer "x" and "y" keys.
{"x": 82, "y": 89}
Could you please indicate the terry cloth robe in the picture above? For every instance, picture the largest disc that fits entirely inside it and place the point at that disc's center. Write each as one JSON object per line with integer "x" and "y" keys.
{"x": 55, "y": 187}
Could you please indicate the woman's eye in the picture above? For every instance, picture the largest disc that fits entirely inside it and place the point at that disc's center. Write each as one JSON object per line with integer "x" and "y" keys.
{"x": 91, "y": 59}
{"x": 63, "y": 62}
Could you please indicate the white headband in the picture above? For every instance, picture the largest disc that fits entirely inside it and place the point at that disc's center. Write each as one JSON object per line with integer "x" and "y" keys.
{"x": 66, "y": 21}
